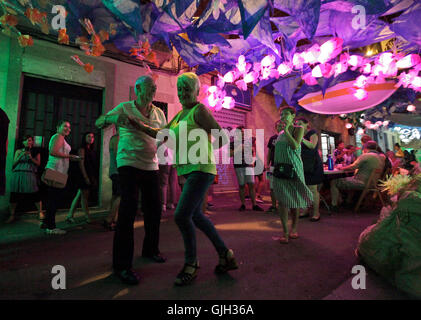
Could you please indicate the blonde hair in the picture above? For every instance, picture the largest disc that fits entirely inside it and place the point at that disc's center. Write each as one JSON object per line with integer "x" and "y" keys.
{"x": 192, "y": 80}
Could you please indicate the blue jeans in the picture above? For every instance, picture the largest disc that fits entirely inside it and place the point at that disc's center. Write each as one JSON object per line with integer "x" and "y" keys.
{"x": 189, "y": 215}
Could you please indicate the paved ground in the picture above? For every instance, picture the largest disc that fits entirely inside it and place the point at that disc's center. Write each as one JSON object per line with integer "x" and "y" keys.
{"x": 315, "y": 266}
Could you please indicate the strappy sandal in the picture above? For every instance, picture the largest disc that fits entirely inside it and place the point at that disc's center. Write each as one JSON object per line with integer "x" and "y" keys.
{"x": 284, "y": 240}
{"x": 294, "y": 235}
{"x": 184, "y": 278}
{"x": 70, "y": 220}
{"x": 226, "y": 263}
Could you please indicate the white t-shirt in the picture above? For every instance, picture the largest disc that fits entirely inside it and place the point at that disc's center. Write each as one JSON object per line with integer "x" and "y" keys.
{"x": 136, "y": 148}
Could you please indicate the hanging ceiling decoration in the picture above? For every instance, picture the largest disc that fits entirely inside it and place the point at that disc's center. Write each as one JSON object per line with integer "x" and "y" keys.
{"x": 291, "y": 48}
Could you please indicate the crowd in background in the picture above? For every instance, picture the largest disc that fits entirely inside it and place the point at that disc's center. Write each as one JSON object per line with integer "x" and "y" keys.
{"x": 294, "y": 168}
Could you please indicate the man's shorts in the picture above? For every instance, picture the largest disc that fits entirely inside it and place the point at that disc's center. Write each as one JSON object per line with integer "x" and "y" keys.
{"x": 115, "y": 178}
{"x": 243, "y": 177}
{"x": 350, "y": 183}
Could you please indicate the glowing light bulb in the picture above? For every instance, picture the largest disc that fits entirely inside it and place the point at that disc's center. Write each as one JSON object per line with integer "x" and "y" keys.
{"x": 284, "y": 69}
{"x": 409, "y": 61}
{"x": 212, "y": 89}
{"x": 360, "y": 94}
{"x": 229, "y": 77}
{"x": 348, "y": 126}
{"x": 411, "y": 108}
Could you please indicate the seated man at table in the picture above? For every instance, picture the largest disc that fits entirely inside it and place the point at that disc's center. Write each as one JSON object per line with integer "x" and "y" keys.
{"x": 338, "y": 154}
{"x": 365, "y": 164}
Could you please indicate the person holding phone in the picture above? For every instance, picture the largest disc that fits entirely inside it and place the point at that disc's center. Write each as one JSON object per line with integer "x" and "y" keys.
{"x": 24, "y": 182}
{"x": 291, "y": 193}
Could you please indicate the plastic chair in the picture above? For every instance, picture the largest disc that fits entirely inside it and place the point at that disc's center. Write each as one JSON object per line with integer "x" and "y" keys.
{"x": 371, "y": 186}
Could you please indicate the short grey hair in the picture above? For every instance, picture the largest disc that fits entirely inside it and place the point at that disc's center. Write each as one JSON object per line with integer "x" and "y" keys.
{"x": 191, "y": 78}
{"x": 143, "y": 79}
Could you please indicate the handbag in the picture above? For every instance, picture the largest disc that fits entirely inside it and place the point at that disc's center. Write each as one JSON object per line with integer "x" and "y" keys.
{"x": 284, "y": 171}
{"x": 53, "y": 178}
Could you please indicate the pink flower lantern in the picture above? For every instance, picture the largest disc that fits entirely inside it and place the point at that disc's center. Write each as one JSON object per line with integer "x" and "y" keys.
{"x": 330, "y": 49}
{"x": 360, "y": 94}
{"x": 411, "y": 108}
{"x": 309, "y": 79}
{"x": 228, "y": 103}
{"x": 409, "y": 61}
{"x": 284, "y": 69}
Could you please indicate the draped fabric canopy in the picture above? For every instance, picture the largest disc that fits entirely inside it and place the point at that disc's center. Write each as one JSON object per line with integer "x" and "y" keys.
{"x": 210, "y": 35}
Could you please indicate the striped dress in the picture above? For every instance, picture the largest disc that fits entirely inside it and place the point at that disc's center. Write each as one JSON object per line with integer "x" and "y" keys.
{"x": 291, "y": 193}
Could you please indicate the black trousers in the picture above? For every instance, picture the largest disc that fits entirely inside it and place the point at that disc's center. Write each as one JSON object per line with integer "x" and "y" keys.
{"x": 131, "y": 180}
{"x": 54, "y": 195}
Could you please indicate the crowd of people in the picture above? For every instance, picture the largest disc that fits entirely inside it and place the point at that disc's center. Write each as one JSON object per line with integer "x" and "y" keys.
{"x": 294, "y": 167}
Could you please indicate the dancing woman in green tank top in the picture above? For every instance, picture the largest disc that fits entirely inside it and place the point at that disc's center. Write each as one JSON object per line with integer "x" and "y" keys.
{"x": 199, "y": 176}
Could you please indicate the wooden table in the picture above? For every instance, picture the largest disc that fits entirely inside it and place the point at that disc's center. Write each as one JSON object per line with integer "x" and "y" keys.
{"x": 335, "y": 171}
{"x": 337, "y": 174}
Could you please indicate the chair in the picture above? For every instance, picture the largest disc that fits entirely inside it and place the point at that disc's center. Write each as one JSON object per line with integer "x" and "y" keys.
{"x": 371, "y": 186}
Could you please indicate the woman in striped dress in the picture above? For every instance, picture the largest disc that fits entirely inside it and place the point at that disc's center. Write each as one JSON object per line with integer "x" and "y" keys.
{"x": 290, "y": 193}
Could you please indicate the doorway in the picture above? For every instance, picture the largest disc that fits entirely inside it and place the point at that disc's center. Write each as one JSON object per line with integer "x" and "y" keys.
{"x": 44, "y": 103}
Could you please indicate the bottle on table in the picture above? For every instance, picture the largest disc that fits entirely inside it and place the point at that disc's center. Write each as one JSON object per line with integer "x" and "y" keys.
{"x": 330, "y": 165}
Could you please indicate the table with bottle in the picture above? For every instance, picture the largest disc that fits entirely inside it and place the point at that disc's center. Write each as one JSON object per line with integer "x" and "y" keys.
{"x": 334, "y": 171}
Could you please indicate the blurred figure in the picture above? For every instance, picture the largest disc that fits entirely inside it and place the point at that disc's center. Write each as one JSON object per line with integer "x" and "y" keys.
{"x": 24, "y": 185}
{"x": 111, "y": 220}
{"x": 395, "y": 162}
{"x": 339, "y": 153}
{"x": 291, "y": 192}
{"x": 312, "y": 164}
{"x": 4, "y": 130}
{"x": 398, "y": 151}
{"x": 269, "y": 165}
{"x": 365, "y": 164}
{"x": 349, "y": 156}
{"x": 244, "y": 170}
{"x": 259, "y": 178}
{"x": 86, "y": 177}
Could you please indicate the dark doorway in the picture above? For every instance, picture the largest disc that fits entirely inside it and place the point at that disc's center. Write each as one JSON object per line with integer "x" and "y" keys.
{"x": 44, "y": 103}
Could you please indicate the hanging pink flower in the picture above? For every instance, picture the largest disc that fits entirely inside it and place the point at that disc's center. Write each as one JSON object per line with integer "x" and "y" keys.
{"x": 241, "y": 84}
{"x": 330, "y": 49}
{"x": 311, "y": 55}
{"x": 284, "y": 68}
{"x": 297, "y": 61}
{"x": 250, "y": 77}
{"x": 340, "y": 68}
{"x": 355, "y": 61}
{"x": 360, "y": 94}
{"x": 366, "y": 68}
{"x": 361, "y": 82}
{"x": 229, "y": 77}
{"x": 309, "y": 79}
{"x": 416, "y": 83}
{"x": 228, "y": 103}
{"x": 409, "y": 61}
{"x": 268, "y": 61}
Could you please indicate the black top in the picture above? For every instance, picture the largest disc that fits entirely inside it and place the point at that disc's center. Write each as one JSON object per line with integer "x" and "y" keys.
{"x": 312, "y": 163}
{"x": 271, "y": 147}
{"x": 243, "y": 163}
{"x": 91, "y": 165}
